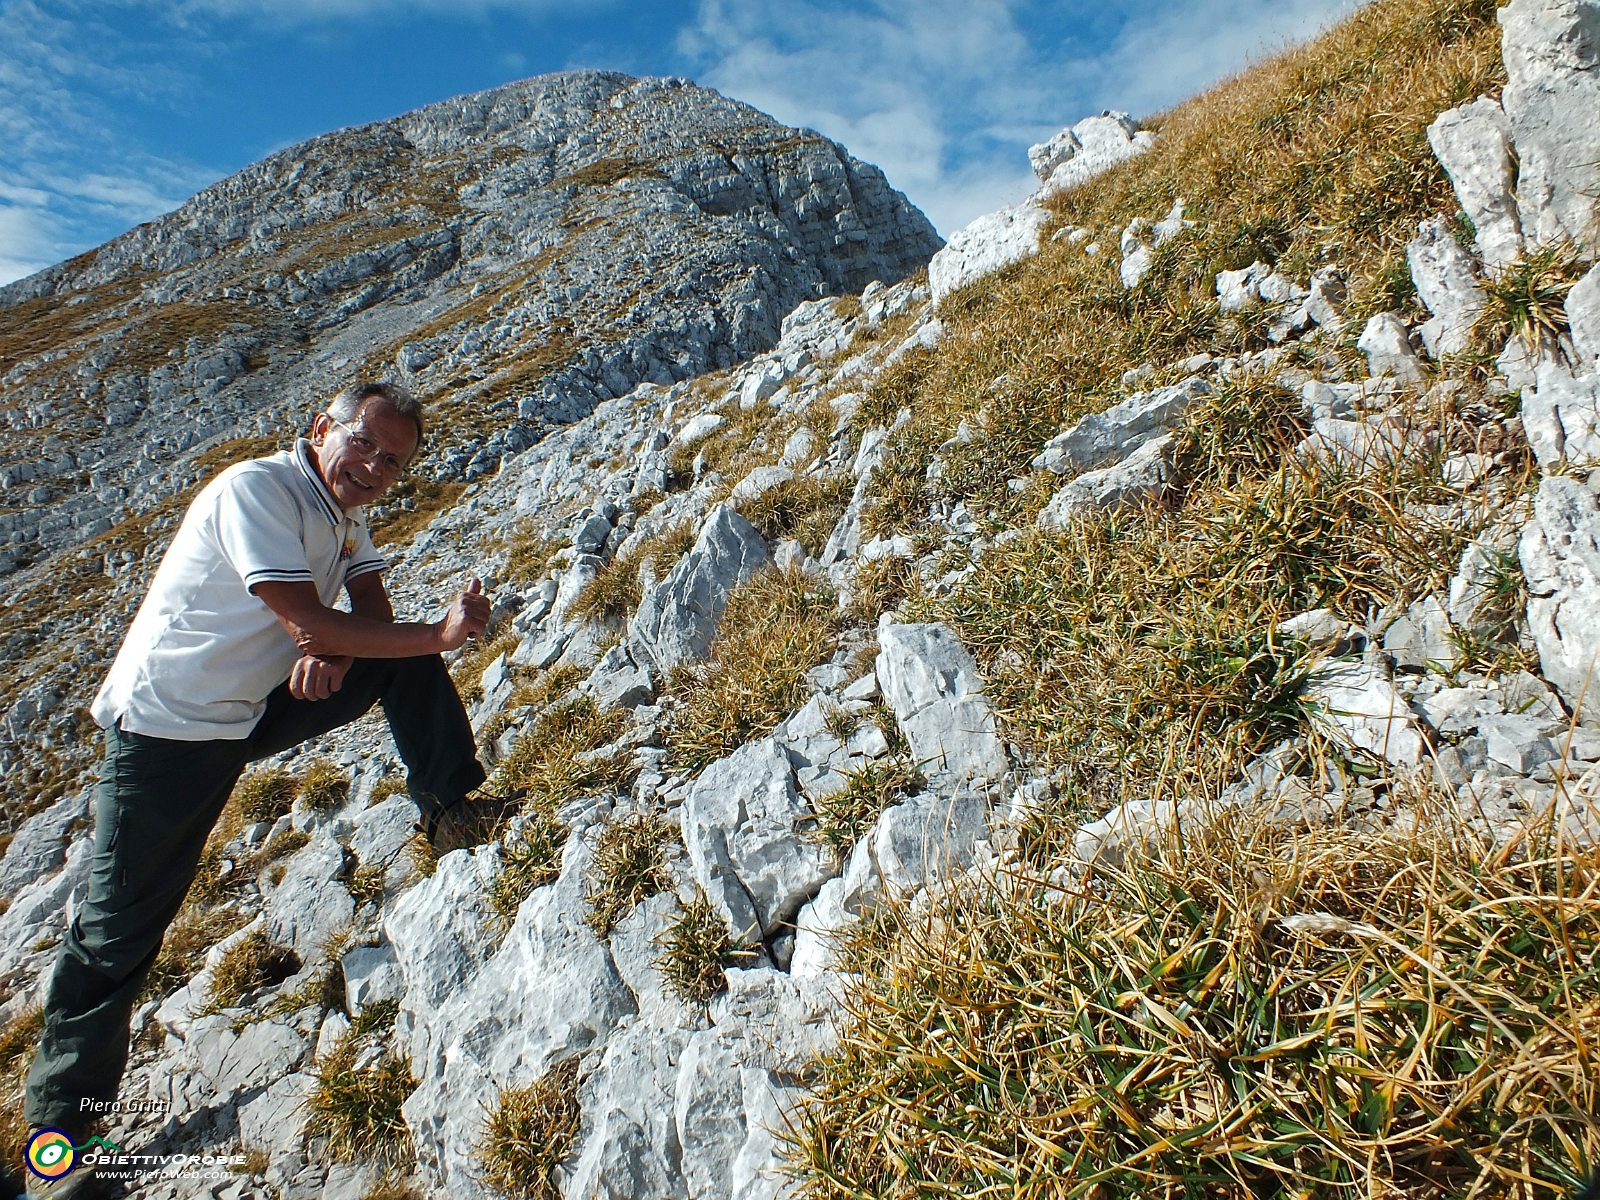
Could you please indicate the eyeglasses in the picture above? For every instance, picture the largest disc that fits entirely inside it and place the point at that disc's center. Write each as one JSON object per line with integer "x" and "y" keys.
{"x": 370, "y": 452}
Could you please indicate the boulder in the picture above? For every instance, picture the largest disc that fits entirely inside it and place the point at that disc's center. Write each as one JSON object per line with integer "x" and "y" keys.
{"x": 708, "y": 1109}
{"x": 1113, "y": 434}
{"x": 1238, "y": 290}
{"x": 312, "y": 901}
{"x": 676, "y": 620}
{"x": 617, "y": 681}
{"x": 933, "y": 685}
{"x": 1388, "y": 349}
{"x": 1355, "y": 446}
{"x": 1561, "y": 416}
{"x": 1583, "y": 318}
{"x": 628, "y": 1144}
{"x": 698, "y": 427}
{"x": 1517, "y": 741}
{"x": 1473, "y": 144}
{"x": 1421, "y": 637}
{"x": 550, "y": 991}
{"x": 1551, "y": 50}
{"x": 757, "y": 1171}
{"x": 1561, "y": 562}
{"x": 743, "y": 826}
{"x": 1447, "y": 283}
{"x": 278, "y": 1116}
{"x": 40, "y": 843}
{"x": 1138, "y": 479}
{"x": 443, "y": 931}
{"x": 1089, "y": 148}
{"x": 760, "y": 481}
{"x": 1358, "y": 705}
{"x": 371, "y": 973}
{"x": 993, "y": 241}
{"x": 928, "y": 838}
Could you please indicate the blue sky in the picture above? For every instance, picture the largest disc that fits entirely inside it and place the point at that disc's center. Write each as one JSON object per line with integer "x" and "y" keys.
{"x": 113, "y": 111}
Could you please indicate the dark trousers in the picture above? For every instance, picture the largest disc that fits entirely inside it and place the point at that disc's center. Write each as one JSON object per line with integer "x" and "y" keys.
{"x": 155, "y": 805}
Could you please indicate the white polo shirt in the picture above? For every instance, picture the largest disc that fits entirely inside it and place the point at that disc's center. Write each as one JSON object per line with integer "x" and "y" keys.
{"x": 203, "y": 653}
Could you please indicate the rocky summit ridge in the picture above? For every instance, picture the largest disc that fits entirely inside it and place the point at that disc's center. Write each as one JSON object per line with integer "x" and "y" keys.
{"x": 801, "y": 655}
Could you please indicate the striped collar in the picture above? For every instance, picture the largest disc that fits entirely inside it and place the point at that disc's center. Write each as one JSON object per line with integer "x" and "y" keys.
{"x": 308, "y": 468}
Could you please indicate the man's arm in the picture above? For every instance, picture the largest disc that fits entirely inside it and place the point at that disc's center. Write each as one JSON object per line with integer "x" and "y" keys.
{"x": 370, "y": 631}
{"x": 368, "y": 597}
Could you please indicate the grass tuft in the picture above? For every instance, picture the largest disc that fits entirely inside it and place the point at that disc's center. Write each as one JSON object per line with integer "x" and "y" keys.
{"x": 251, "y": 964}
{"x": 844, "y": 815}
{"x": 529, "y": 861}
{"x": 265, "y": 795}
{"x": 324, "y": 787}
{"x": 696, "y": 951}
{"x": 360, "y": 1088}
{"x": 630, "y": 866}
{"x": 775, "y": 629}
{"x": 528, "y": 1133}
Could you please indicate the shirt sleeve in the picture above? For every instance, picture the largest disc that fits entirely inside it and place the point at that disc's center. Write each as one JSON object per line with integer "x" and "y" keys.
{"x": 366, "y": 558}
{"x": 259, "y": 529}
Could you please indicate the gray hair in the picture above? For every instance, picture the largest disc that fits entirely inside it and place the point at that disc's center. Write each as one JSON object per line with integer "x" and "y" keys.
{"x": 348, "y": 403}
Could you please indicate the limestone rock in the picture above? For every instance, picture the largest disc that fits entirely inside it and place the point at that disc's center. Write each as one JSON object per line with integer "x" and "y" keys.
{"x": 1238, "y": 290}
{"x": 548, "y": 992}
{"x": 1561, "y": 417}
{"x": 676, "y": 620}
{"x": 1111, "y": 435}
{"x": 1388, "y": 349}
{"x": 1583, "y": 316}
{"x": 1141, "y": 477}
{"x": 1358, "y": 705}
{"x": 39, "y": 845}
{"x": 371, "y": 973}
{"x": 1560, "y": 552}
{"x": 628, "y": 1145}
{"x": 618, "y": 681}
{"x": 1421, "y": 637}
{"x": 933, "y": 685}
{"x": 993, "y": 241}
{"x": 710, "y": 1115}
{"x": 1356, "y": 446}
{"x": 1089, "y": 148}
{"x": 928, "y": 838}
{"x": 312, "y": 901}
{"x": 1551, "y": 50}
{"x": 743, "y": 826}
{"x": 442, "y": 931}
{"x": 1448, "y": 285}
{"x": 1473, "y": 144}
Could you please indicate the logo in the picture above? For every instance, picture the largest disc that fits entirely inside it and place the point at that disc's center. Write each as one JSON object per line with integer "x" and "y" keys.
{"x": 51, "y": 1154}
{"x": 348, "y": 550}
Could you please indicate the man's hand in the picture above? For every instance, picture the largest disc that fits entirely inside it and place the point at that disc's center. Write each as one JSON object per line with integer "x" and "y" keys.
{"x": 468, "y": 617}
{"x": 315, "y": 678}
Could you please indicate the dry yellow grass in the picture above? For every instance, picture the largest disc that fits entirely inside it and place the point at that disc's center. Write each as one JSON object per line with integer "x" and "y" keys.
{"x": 776, "y": 628}
{"x": 1157, "y": 1029}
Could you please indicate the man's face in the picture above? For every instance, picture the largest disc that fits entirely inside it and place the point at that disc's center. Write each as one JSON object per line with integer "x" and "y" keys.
{"x": 355, "y": 478}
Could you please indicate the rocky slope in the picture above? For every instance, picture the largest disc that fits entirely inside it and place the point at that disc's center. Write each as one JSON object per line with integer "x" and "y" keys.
{"x": 517, "y": 255}
{"x": 728, "y": 665}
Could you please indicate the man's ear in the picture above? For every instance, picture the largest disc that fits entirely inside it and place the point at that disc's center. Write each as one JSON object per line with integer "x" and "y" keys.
{"x": 320, "y": 424}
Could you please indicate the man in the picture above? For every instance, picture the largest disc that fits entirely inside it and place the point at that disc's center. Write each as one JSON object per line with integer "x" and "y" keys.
{"x": 236, "y": 654}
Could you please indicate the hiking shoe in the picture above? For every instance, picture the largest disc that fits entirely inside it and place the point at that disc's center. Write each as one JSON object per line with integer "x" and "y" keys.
{"x": 52, "y": 1167}
{"x": 470, "y": 821}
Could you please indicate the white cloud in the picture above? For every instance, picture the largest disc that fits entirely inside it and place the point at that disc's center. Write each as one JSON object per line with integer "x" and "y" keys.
{"x": 946, "y": 95}
{"x": 329, "y": 12}
{"x": 69, "y": 179}
{"x": 21, "y": 236}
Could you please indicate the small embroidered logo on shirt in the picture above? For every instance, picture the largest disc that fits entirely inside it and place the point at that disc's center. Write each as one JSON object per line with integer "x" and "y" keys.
{"x": 348, "y": 549}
